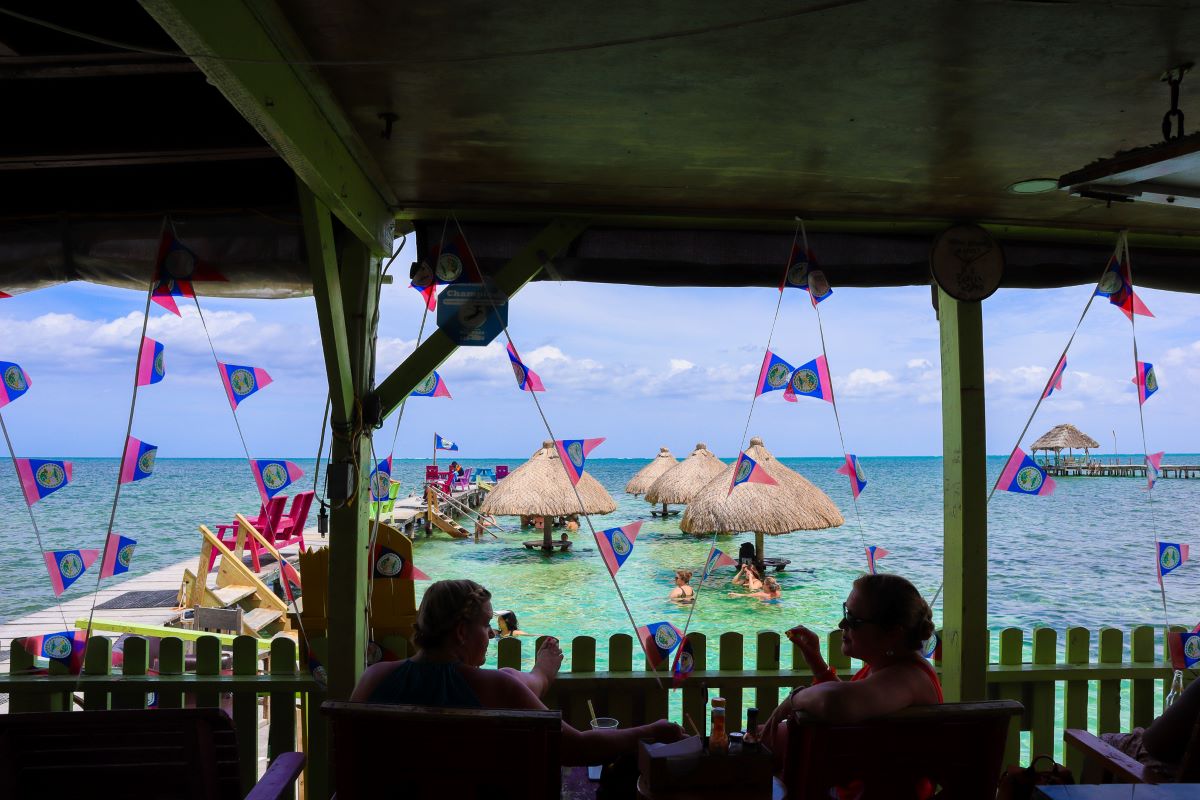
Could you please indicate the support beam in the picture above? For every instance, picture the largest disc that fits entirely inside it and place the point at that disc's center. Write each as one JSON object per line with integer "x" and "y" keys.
{"x": 286, "y": 103}
{"x": 964, "y": 609}
{"x": 327, "y": 292}
{"x": 516, "y": 273}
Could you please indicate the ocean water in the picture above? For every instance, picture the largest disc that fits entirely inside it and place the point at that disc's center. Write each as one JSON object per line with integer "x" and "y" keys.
{"x": 1083, "y": 556}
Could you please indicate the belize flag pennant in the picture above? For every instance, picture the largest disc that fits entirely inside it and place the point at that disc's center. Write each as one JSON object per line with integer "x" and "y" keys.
{"x": 574, "y": 453}
{"x": 658, "y": 640}
{"x": 66, "y": 566}
{"x": 747, "y": 470}
{"x": 118, "y": 554}
{"x": 150, "y": 364}
{"x": 241, "y": 382}
{"x": 1185, "y": 650}
{"x": 40, "y": 477}
{"x": 139, "y": 459}
{"x": 1055, "y": 381}
{"x": 381, "y": 479}
{"x": 616, "y": 544}
{"x": 386, "y": 563}
{"x": 717, "y": 559}
{"x": 803, "y": 274}
{"x": 775, "y": 374}
{"x": 685, "y": 662}
{"x": 289, "y": 580}
{"x": 429, "y": 293}
{"x": 810, "y": 380}
{"x": 16, "y": 382}
{"x": 273, "y": 475}
{"x": 854, "y": 470}
{"x": 1117, "y": 285}
{"x": 1022, "y": 475}
{"x": 432, "y": 386}
{"x": 454, "y": 262}
{"x": 874, "y": 553}
{"x": 442, "y": 443}
{"x": 1145, "y": 380}
{"x": 174, "y": 270}
{"x": 1153, "y": 468}
{"x": 65, "y": 647}
{"x": 1171, "y": 557}
{"x": 527, "y": 379}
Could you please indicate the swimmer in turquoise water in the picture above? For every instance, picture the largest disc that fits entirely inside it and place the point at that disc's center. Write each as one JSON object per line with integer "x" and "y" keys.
{"x": 769, "y": 593}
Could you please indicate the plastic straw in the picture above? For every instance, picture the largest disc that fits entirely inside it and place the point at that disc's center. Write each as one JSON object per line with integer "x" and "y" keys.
{"x": 591, "y": 709}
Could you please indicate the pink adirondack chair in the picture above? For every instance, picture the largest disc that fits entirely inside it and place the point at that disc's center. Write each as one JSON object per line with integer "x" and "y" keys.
{"x": 289, "y": 530}
{"x": 270, "y": 518}
{"x": 462, "y": 481}
{"x": 431, "y": 473}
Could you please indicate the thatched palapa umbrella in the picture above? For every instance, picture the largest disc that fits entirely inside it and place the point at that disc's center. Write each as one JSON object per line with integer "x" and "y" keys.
{"x": 792, "y": 504}
{"x": 540, "y": 486}
{"x": 647, "y": 475}
{"x": 681, "y": 482}
{"x": 1064, "y": 437}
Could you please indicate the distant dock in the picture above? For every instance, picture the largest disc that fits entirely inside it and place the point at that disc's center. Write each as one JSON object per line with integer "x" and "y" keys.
{"x": 1116, "y": 468}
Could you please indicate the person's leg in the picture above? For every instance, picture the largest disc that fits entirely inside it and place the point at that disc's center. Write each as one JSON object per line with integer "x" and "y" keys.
{"x": 545, "y": 668}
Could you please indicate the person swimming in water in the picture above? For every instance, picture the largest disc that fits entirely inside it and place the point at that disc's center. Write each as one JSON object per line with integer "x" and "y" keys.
{"x": 683, "y": 591}
{"x": 769, "y": 593}
{"x": 749, "y": 577}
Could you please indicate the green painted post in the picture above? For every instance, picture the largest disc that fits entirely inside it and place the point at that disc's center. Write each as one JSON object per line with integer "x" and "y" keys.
{"x": 767, "y": 660}
{"x": 1045, "y": 651}
{"x": 508, "y": 653}
{"x": 965, "y": 636}
{"x": 170, "y": 662}
{"x": 20, "y": 661}
{"x": 281, "y": 738}
{"x": 1079, "y": 641}
{"x": 97, "y": 660}
{"x": 731, "y": 659}
{"x": 1108, "y": 697}
{"x": 695, "y": 693}
{"x": 208, "y": 662}
{"x": 615, "y": 704}
{"x": 136, "y": 660}
{"x": 1012, "y": 642}
{"x": 1142, "y": 708}
{"x": 834, "y": 656}
{"x": 583, "y": 659}
{"x": 245, "y": 712}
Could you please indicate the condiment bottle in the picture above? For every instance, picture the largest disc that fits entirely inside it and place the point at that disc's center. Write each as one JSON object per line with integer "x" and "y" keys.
{"x": 750, "y": 740}
{"x": 718, "y": 742}
{"x": 717, "y": 702}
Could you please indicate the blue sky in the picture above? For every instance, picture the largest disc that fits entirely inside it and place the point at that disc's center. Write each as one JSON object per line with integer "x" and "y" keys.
{"x": 642, "y": 366}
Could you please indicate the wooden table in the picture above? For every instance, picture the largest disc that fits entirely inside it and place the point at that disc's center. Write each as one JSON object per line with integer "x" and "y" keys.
{"x": 718, "y": 793}
{"x": 1121, "y": 791}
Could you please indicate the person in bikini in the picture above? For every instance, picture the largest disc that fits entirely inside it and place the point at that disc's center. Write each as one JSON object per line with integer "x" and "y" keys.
{"x": 683, "y": 591}
{"x": 749, "y": 577}
{"x": 769, "y": 593}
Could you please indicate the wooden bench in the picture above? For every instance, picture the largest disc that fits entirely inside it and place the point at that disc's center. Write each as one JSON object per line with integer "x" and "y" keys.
{"x": 158, "y": 755}
{"x": 420, "y": 752}
{"x": 958, "y": 746}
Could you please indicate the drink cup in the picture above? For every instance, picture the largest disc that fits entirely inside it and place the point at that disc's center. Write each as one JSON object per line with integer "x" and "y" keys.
{"x": 601, "y": 723}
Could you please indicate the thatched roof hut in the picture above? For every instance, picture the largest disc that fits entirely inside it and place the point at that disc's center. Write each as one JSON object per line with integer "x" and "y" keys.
{"x": 793, "y": 504}
{"x": 647, "y": 475}
{"x": 1064, "y": 437}
{"x": 681, "y": 482}
{"x": 541, "y": 487}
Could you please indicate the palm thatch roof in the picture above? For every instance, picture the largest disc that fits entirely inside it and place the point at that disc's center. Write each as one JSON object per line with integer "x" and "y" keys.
{"x": 794, "y": 504}
{"x": 540, "y": 486}
{"x": 647, "y": 475}
{"x": 681, "y": 482}
{"x": 1062, "y": 437}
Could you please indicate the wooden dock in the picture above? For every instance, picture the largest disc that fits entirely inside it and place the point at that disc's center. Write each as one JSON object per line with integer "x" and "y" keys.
{"x": 1115, "y": 468}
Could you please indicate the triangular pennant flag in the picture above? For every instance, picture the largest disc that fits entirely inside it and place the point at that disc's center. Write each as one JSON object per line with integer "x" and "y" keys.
{"x": 1022, "y": 475}
{"x": 151, "y": 368}
{"x": 65, "y": 566}
{"x": 527, "y": 379}
{"x": 685, "y": 662}
{"x": 377, "y": 652}
{"x": 774, "y": 374}
{"x": 1117, "y": 284}
{"x": 381, "y": 480}
{"x": 241, "y": 382}
{"x": 574, "y": 453}
{"x": 428, "y": 293}
{"x": 65, "y": 647}
{"x": 1171, "y": 556}
{"x": 1185, "y": 650}
{"x": 138, "y": 461}
{"x": 616, "y": 544}
{"x": 747, "y": 470}
{"x": 118, "y": 555}
{"x": 874, "y": 553}
{"x": 442, "y": 443}
{"x": 1153, "y": 468}
{"x": 1056, "y": 376}
{"x": 41, "y": 477}
{"x": 1145, "y": 380}
{"x": 453, "y": 262}
{"x": 854, "y": 470}
{"x": 717, "y": 559}
{"x": 810, "y": 380}
{"x": 658, "y": 640}
{"x": 387, "y": 564}
{"x": 15, "y": 382}
{"x": 289, "y": 580}
{"x": 274, "y": 475}
{"x": 803, "y": 273}
{"x": 175, "y": 267}
{"x": 432, "y": 386}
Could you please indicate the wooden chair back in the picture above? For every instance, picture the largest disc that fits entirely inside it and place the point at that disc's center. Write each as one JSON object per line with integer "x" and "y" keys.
{"x": 501, "y": 471}
{"x": 301, "y": 503}
{"x": 957, "y": 746}
{"x": 423, "y": 752}
{"x": 275, "y": 507}
{"x": 431, "y": 472}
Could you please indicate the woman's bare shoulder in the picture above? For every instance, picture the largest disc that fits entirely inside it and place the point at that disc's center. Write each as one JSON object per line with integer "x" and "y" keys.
{"x": 371, "y": 678}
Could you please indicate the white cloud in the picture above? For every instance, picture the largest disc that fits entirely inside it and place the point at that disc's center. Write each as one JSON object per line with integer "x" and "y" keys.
{"x": 919, "y": 363}
{"x": 863, "y": 382}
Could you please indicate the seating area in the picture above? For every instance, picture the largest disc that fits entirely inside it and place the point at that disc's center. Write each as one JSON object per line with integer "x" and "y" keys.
{"x": 278, "y": 529}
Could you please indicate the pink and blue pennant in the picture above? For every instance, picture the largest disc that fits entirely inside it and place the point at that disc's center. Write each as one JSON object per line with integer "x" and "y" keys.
{"x": 454, "y": 262}
{"x": 241, "y": 382}
{"x": 616, "y": 545}
{"x": 289, "y": 581}
{"x": 273, "y": 475}
{"x": 874, "y": 553}
{"x": 659, "y": 639}
{"x": 66, "y": 566}
{"x": 1117, "y": 285}
{"x": 381, "y": 480}
{"x": 1171, "y": 556}
{"x": 428, "y": 294}
{"x": 1185, "y": 650}
{"x": 1145, "y": 380}
{"x": 151, "y": 367}
{"x": 747, "y": 470}
{"x": 16, "y": 382}
{"x": 803, "y": 274}
{"x": 1055, "y": 382}
{"x": 573, "y": 453}
{"x": 774, "y": 375}
{"x": 432, "y": 386}
{"x": 174, "y": 270}
{"x": 717, "y": 559}
{"x": 387, "y": 564}
{"x": 41, "y": 477}
{"x": 1023, "y": 475}
{"x": 138, "y": 462}
{"x": 1153, "y": 468}
{"x": 810, "y": 380}
{"x": 854, "y": 470}
{"x": 685, "y": 662}
{"x": 118, "y": 555}
{"x": 64, "y": 647}
{"x": 442, "y": 443}
{"x": 527, "y": 379}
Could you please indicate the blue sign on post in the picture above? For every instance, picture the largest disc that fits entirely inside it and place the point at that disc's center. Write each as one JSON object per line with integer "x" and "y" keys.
{"x": 471, "y": 314}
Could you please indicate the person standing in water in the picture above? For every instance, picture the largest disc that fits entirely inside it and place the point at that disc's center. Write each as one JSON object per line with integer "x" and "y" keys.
{"x": 683, "y": 591}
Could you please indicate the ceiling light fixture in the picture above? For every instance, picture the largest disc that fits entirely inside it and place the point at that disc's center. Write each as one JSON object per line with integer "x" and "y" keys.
{"x": 1034, "y": 186}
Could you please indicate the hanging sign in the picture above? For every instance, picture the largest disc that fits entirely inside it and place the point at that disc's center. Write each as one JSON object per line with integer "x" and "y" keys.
{"x": 472, "y": 314}
{"x": 967, "y": 263}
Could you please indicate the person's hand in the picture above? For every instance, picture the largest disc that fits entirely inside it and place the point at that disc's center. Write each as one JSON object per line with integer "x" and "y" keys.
{"x": 665, "y": 731}
{"x": 808, "y": 642}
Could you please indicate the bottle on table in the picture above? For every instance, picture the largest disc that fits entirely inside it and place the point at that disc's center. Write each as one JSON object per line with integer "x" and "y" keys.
{"x": 718, "y": 741}
{"x": 750, "y": 740}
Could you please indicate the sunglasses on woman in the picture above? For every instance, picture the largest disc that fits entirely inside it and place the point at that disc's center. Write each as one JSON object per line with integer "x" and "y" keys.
{"x": 850, "y": 621}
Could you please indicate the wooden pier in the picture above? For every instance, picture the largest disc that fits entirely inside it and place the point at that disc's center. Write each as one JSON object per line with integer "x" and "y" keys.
{"x": 1116, "y": 468}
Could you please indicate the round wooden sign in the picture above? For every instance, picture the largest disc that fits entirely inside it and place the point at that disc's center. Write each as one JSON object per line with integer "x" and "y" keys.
{"x": 967, "y": 262}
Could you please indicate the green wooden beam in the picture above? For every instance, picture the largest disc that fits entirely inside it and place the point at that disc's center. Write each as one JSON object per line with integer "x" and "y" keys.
{"x": 235, "y": 43}
{"x": 964, "y": 562}
{"x": 512, "y": 276}
{"x": 327, "y": 292}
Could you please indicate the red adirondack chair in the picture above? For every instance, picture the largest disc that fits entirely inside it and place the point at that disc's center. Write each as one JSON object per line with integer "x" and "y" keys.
{"x": 431, "y": 473}
{"x": 289, "y": 530}
{"x": 501, "y": 471}
{"x": 270, "y": 518}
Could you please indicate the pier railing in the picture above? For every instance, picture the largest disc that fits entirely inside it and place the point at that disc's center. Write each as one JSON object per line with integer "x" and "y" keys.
{"x": 1104, "y": 681}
